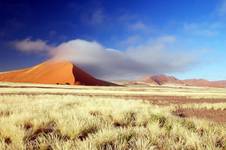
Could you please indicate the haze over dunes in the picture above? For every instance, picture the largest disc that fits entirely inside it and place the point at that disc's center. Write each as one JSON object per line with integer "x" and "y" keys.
{"x": 52, "y": 72}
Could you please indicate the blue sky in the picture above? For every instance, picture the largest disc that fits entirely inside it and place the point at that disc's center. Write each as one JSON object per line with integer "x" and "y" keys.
{"x": 134, "y": 38}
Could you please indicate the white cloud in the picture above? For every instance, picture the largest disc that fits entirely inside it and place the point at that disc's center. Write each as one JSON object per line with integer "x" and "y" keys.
{"x": 96, "y": 59}
{"x": 27, "y": 45}
{"x": 152, "y": 57}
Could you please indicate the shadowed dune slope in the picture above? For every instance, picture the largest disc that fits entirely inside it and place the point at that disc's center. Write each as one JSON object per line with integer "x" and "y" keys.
{"x": 53, "y": 72}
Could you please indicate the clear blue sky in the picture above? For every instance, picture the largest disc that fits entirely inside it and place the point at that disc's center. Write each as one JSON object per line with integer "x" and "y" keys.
{"x": 194, "y": 31}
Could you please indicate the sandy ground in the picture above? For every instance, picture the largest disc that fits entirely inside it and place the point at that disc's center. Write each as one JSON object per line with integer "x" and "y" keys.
{"x": 214, "y": 115}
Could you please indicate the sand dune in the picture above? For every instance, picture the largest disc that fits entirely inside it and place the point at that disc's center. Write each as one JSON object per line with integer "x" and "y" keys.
{"x": 202, "y": 82}
{"x": 65, "y": 72}
{"x": 164, "y": 80}
{"x": 52, "y": 72}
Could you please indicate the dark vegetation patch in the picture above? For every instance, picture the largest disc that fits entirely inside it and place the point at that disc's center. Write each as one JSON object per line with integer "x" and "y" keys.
{"x": 189, "y": 125}
{"x": 95, "y": 113}
{"x": 221, "y": 142}
{"x": 118, "y": 124}
{"x": 127, "y": 139}
{"x": 107, "y": 145}
{"x": 33, "y": 134}
{"x": 7, "y": 140}
{"x": 86, "y": 132}
{"x": 129, "y": 120}
{"x": 5, "y": 113}
{"x": 27, "y": 126}
{"x": 160, "y": 119}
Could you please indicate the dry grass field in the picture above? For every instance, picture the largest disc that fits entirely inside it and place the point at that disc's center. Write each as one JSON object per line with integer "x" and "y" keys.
{"x": 112, "y": 118}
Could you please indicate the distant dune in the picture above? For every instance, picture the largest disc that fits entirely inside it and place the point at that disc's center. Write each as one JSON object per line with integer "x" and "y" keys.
{"x": 162, "y": 79}
{"x": 202, "y": 82}
{"x": 170, "y": 80}
{"x": 53, "y": 72}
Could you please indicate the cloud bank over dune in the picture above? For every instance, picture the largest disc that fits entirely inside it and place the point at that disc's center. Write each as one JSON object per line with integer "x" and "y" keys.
{"x": 153, "y": 57}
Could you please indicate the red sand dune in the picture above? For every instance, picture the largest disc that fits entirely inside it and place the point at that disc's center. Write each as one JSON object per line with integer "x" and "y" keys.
{"x": 164, "y": 79}
{"x": 52, "y": 72}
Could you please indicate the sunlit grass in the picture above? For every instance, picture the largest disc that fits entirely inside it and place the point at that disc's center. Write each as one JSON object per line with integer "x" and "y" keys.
{"x": 73, "y": 117}
{"x": 74, "y": 122}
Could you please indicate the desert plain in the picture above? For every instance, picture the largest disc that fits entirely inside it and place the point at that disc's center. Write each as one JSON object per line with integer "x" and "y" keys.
{"x": 125, "y": 117}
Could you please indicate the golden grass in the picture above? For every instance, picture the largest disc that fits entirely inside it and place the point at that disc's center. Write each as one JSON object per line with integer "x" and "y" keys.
{"x": 68, "y": 122}
{"x": 87, "y": 122}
